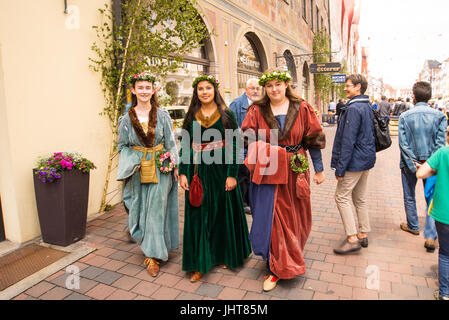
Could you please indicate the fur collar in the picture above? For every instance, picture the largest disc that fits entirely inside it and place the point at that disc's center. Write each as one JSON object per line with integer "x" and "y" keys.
{"x": 269, "y": 118}
{"x": 146, "y": 139}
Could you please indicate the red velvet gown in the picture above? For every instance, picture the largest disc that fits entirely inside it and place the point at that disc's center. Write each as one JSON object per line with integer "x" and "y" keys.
{"x": 291, "y": 217}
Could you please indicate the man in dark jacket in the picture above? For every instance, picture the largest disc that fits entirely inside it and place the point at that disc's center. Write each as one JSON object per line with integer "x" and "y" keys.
{"x": 353, "y": 155}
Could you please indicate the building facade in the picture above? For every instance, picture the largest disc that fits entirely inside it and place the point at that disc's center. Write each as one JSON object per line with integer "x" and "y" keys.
{"x": 50, "y": 101}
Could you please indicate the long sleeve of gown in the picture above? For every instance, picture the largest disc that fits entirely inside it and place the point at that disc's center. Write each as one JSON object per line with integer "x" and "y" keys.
{"x": 169, "y": 137}
{"x": 184, "y": 158}
{"x": 317, "y": 159}
{"x": 129, "y": 160}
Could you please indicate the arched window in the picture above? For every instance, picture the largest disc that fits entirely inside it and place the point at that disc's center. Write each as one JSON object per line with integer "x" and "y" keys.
{"x": 251, "y": 60}
{"x": 291, "y": 66}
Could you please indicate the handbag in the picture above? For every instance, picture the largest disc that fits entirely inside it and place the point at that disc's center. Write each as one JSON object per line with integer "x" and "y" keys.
{"x": 196, "y": 191}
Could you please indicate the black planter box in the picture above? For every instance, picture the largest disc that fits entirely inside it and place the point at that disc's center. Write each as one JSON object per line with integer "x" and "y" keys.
{"x": 62, "y": 207}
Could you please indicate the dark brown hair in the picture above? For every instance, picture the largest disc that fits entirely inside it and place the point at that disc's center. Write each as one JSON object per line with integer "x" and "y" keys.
{"x": 195, "y": 106}
{"x": 422, "y": 91}
{"x": 359, "y": 79}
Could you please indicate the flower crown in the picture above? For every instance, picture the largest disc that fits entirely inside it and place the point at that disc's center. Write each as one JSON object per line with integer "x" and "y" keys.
{"x": 275, "y": 75}
{"x": 141, "y": 77}
{"x": 211, "y": 79}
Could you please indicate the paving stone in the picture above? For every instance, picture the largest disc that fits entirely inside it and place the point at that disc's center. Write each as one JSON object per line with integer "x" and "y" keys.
{"x": 100, "y": 292}
{"x": 91, "y": 272}
{"x": 120, "y": 255}
{"x": 121, "y": 295}
{"x": 57, "y": 293}
{"x": 165, "y": 293}
{"x": 145, "y": 288}
{"x": 77, "y": 296}
{"x": 108, "y": 277}
{"x": 39, "y": 289}
{"x": 209, "y": 290}
{"x": 187, "y": 296}
{"x": 231, "y": 294}
{"x": 126, "y": 283}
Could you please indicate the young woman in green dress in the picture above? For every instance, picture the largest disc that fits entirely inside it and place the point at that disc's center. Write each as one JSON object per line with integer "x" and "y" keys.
{"x": 216, "y": 231}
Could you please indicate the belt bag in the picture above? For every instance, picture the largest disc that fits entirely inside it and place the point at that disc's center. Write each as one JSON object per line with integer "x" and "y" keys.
{"x": 148, "y": 172}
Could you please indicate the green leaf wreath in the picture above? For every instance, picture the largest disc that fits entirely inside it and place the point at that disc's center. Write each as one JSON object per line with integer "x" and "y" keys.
{"x": 304, "y": 163}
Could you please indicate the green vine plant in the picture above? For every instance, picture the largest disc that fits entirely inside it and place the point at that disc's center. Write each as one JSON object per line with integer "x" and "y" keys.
{"x": 321, "y": 48}
{"x": 148, "y": 35}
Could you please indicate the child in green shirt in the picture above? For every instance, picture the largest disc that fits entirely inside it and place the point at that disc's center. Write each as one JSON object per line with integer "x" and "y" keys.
{"x": 438, "y": 163}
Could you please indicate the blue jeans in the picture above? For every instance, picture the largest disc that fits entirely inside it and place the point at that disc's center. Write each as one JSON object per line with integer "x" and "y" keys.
{"x": 443, "y": 258}
{"x": 409, "y": 181}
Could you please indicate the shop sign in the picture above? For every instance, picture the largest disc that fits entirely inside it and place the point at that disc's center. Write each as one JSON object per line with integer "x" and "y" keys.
{"x": 325, "y": 67}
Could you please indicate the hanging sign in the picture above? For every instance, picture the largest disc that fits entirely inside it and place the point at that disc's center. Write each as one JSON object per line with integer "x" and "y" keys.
{"x": 325, "y": 67}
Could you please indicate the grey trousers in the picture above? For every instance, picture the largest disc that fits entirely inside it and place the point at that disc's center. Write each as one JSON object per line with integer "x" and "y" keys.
{"x": 353, "y": 190}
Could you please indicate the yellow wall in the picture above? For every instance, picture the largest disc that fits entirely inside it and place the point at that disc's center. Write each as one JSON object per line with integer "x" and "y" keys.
{"x": 49, "y": 102}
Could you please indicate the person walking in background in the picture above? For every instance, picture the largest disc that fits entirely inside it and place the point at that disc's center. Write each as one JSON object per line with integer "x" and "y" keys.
{"x": 353, "y": 155}
{"x": 240, "y": 106}
{"x": 421, "y": 134}
{"x": 384, "y": 110}
{"x": 409, "y": 104}
{"x": 150, "y": 196}
{"x": 215, "y": 227}
{"x": 438, "y": 164}
{"x": 332, "y": 107}
{"x": 280, "y": 199}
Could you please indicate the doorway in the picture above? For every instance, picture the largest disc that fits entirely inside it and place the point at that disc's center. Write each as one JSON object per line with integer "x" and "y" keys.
{"x": 2, "y": 229}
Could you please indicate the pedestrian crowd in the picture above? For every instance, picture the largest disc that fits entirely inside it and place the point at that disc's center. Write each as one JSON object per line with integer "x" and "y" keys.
{"x": 251, "y": 158}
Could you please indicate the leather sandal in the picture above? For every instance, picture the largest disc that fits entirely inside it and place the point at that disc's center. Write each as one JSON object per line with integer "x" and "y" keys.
{"x": 152, "y": 266}
{"x": 196, "y": 276}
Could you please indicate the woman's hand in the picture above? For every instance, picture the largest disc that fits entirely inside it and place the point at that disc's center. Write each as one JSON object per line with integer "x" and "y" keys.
{"x": 176, "y": 174}
{"x": 183, "y": 182}
{"x": 137, "y": 168}
{"x": 319, "y": 178}
{"x": 231, "y": 183}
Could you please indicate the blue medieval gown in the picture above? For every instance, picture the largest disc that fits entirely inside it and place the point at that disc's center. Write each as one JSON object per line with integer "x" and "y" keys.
{"x": 153, "y": 208}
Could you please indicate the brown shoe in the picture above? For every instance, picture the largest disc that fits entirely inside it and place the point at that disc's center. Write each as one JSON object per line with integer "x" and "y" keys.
{"x": 429, "y": 244}
{"x": 348, "y": 247}
{"x": 196, "y": 276}
{"x": 152, "y": 266}
{"x": 405, "y": 228}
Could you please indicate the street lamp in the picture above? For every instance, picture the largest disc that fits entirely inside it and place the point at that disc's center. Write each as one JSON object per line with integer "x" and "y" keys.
{"x": 66, "y": 11}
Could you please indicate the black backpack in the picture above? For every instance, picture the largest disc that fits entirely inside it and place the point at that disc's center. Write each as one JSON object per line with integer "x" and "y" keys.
{"x": 381, "y": 133}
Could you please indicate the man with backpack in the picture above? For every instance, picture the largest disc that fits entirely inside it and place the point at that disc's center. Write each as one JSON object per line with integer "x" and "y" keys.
{"x": 421, "y": 133}
{"x": 353, "y": 155}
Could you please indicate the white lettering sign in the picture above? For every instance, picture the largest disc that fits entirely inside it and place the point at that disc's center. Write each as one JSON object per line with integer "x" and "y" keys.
{"x": 72, "y": 22}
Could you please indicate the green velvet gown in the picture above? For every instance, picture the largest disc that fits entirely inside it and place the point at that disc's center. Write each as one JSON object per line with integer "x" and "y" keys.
{"x": 215, "y": 233}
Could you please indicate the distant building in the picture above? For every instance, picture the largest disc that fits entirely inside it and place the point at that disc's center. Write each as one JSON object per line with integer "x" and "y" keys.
{"x": 430, "y": 73}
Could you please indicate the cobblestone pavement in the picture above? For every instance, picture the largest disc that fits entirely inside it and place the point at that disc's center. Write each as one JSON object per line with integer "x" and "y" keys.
{"x": 405, "y": 270}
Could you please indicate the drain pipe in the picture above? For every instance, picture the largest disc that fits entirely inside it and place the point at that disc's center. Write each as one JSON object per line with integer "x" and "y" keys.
{"x": 65, "y": 7}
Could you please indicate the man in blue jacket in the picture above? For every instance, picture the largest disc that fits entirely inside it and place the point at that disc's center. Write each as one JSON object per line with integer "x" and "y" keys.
{"x": 353, "y": 155}
{"x": 421, "y": 133}
{"x": 253, "y": 92}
